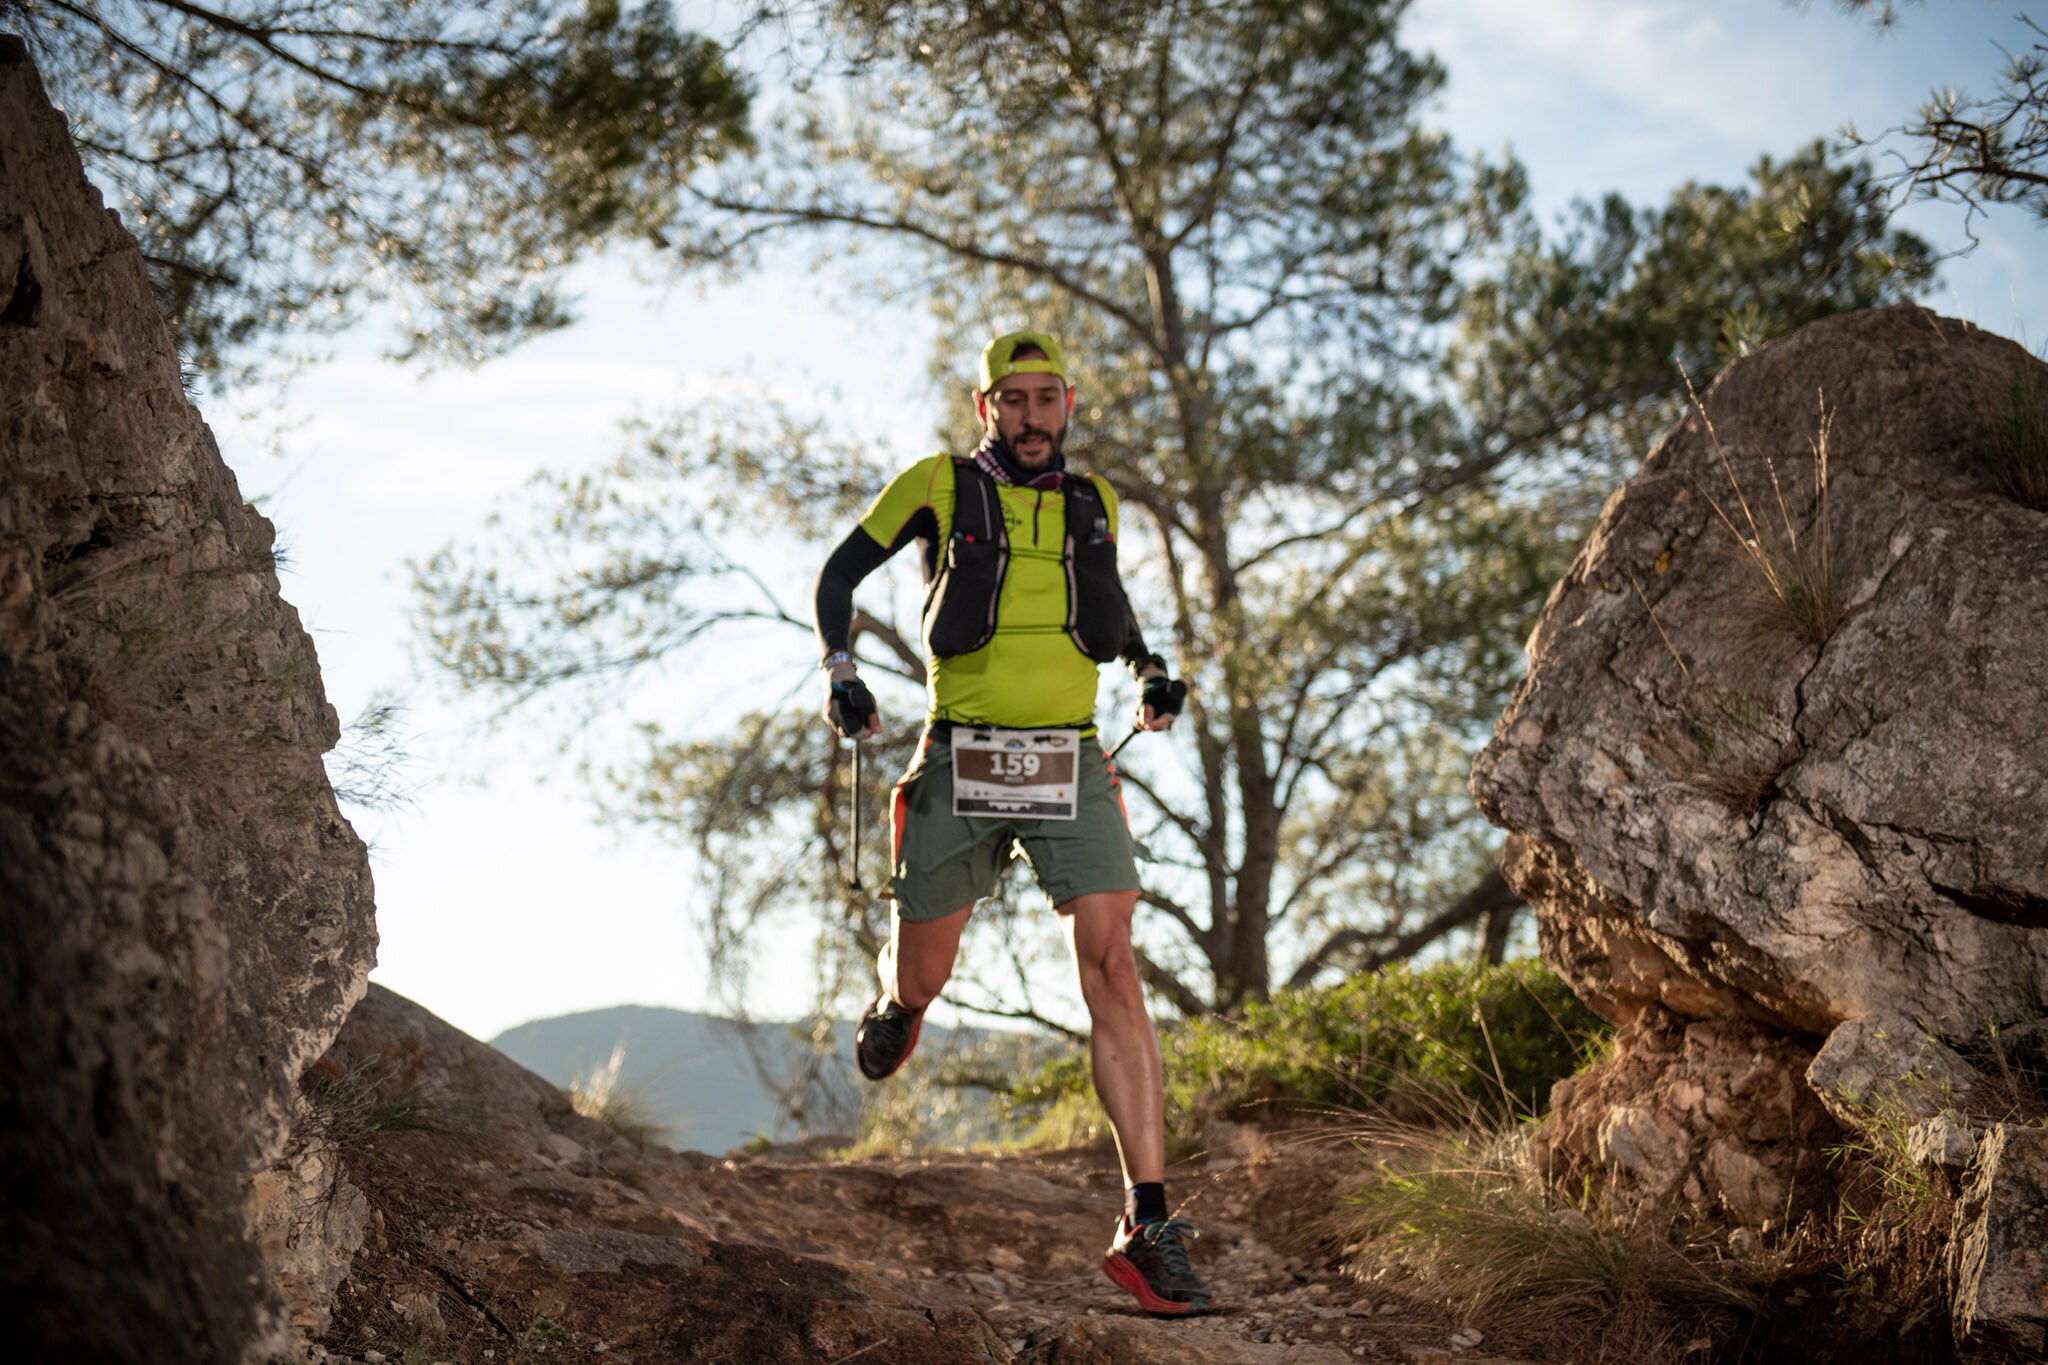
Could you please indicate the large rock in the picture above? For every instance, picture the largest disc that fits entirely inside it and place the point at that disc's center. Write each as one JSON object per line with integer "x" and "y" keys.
{"x": 1885, "y": 1062}
{"x": 1998, "y": 1257}
{"x": 189, "y": 917}
{"x": 1725, "y": 809}
{"x": 1754, "y": 822}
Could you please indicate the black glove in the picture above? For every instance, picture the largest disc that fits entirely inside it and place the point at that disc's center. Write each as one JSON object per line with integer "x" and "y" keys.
{"x": 849, "y": 707}
{"x": 1163, "y": 695}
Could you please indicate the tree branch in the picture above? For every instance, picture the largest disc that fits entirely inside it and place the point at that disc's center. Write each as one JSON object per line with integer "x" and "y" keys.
{"x": 906, "y": 655}
{"x": 818, "y": 215}
{"x": 1490, "y": 894}
{"x": 1169, "y": 985}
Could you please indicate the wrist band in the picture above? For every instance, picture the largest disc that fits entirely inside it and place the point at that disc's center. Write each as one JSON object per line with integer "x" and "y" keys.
{"x": 836, "y": 658}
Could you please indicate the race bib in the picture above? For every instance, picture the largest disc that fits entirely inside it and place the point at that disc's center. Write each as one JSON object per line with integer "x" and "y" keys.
{"x": 1018, "y": 774}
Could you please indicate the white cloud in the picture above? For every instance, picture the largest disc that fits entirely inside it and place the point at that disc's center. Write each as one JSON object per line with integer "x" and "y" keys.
{"x": 1641, "y": 94}
{"x": 1679, "y": 65}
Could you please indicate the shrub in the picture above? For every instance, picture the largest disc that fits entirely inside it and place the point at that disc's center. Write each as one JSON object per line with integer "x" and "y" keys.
{"x": 1400, "y": 1041}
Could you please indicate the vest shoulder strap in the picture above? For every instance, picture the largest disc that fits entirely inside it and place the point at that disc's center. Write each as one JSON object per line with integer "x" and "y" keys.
{"x": 1084, "y": 488}
{"x": 974, "y": 501}
{"x": 975, "y": 493}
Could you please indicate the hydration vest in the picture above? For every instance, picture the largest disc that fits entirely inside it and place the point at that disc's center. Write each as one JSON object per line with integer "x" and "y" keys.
{"x": 960, "y": 604}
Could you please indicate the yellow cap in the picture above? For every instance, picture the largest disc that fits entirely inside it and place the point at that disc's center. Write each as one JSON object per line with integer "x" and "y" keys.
{"x": 999, "y": 362}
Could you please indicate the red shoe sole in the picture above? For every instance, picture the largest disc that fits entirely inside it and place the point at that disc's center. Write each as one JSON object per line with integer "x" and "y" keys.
{"x": 916, "y": 1027}
{"x": 1119, "y": 1268}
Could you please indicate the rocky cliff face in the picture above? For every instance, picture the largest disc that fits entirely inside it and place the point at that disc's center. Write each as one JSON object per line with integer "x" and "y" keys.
{"x": 189, "y": 914}
{"x": 1777, "y": 780}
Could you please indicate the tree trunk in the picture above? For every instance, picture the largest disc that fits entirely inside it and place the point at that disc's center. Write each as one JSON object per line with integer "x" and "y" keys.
{"x": 1494, "y": 928}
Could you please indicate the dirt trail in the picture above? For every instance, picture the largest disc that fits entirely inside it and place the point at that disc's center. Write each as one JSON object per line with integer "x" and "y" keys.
{"x": 521, "y": 1232}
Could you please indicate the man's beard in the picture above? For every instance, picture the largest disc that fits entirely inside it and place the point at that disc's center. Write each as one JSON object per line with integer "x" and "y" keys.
{"x": 1055, "y": 445}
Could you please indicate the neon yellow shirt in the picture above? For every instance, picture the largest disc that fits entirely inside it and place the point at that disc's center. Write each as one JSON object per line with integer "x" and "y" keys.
{"x": 1030, "y": 674}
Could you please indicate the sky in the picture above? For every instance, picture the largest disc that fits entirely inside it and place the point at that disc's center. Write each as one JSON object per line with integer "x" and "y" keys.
{"x": 500, "y": 899}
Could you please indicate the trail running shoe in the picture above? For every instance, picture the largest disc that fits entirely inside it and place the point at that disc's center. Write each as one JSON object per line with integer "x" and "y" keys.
{"x": 885, "y": 1038}
{"x": 1151, "y": 1261}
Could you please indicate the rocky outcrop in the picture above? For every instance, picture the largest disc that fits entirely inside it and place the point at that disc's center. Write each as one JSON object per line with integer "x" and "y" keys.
{"x": 1709, "y": 1110}
{"x": 1776, "y": 782}
{"x": 189, "y": 915}
{"x": 1717, "y": 811}
{"x": 1713, "y": 809}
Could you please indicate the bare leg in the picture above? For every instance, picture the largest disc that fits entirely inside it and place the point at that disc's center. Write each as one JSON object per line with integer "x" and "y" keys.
{"x": 1121, "y": 1043}
{"x": 918, "y": 958}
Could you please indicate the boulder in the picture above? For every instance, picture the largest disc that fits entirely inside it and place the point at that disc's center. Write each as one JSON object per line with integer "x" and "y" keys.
{"x": 1998, "y": 1254}
{"x": 1886, "y": 1063}
{"x": 1774, "y": 762}
{"x": 189, "y": 914}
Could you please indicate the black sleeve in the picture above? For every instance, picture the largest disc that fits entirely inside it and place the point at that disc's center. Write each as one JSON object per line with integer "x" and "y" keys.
{"x": 859, "y": 555}
{"x": 1135, "y": 654}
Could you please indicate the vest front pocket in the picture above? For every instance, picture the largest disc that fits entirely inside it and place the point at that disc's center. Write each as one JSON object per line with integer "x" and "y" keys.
{"x": 960, "y": 614}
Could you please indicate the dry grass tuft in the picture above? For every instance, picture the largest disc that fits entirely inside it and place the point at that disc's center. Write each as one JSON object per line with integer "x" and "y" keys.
{"x": 1797, "y": 580}
{"x": 1733, "y": 758}
{"x": 349, "y": 1108}
{"x": 600, "y": 1094}
{"x": 1464, "y": 1216}
{"x": 1460, "y": 1212}
{"x": 2015, "y": 449}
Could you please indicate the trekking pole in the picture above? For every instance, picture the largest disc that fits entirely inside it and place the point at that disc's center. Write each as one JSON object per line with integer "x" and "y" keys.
{"x": 853, "y": 880}
{"x": 1135, "y": 732}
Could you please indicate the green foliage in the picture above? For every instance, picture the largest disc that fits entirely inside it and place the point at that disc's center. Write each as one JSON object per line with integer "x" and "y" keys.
{"x": 950, "y": 1096}
{"x": 1583, "y": 341}
{"x": 284, "y": 163}
{"x": 610, "y": 569}
{"x": 1402, "y": 1042}
{"x": 1337, "y": 528}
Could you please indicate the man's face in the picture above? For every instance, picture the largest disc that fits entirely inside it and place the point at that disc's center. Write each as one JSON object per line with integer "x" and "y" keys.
{"x": 1029, "y": 411}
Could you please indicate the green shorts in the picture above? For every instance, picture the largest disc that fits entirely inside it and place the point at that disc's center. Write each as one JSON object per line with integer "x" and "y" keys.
{"x": 942, "y": 862}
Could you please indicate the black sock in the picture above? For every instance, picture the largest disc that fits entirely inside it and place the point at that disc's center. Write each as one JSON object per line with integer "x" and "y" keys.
{"x": 1146, "y": 1203}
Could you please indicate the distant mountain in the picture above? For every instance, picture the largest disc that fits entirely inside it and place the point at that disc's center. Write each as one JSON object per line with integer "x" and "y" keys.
{"x": 718, "y": 1083}
{"x": 714, "y": 1081}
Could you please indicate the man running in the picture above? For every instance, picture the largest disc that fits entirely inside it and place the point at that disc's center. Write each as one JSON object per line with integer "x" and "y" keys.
{"x": 1023, "y": 602}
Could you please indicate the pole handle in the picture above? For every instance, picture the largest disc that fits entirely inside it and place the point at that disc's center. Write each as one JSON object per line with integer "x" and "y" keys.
{"x": 853, "y": 797}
